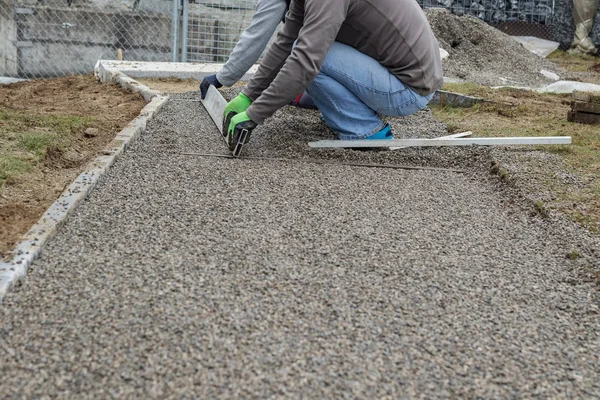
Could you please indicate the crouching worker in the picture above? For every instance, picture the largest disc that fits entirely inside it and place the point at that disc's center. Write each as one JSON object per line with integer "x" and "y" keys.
{"x": 253, "y": 41}
{"x": 356, "y": 58}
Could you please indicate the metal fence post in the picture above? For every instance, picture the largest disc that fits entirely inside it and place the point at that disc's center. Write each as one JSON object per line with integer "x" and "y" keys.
{"x": 9, "y": 60}
{"x": 175, "y": 31}
{"x": 184, "y": 31}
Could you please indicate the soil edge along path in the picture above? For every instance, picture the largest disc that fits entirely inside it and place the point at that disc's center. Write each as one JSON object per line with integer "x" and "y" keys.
{"x": 186, "y": 276}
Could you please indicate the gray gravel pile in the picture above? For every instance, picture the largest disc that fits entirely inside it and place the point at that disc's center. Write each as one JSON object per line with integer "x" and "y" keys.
{"x": 188, "y": 276}
{"x": 482, "y": 54}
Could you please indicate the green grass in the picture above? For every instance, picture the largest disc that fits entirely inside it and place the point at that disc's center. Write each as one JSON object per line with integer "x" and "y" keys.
{"x": 38, "y": 143}
{"x": 26, "y": 138}
{"x": 12, "y": 122}
{"x": 11, "y": 166}
{"x": 467, "y": 88}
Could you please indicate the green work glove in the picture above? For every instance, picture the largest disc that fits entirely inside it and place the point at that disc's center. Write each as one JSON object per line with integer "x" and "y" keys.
{"x": 238, "y": 132}
{"x": 237, "y": 105}
{"x": 241, "y": 119}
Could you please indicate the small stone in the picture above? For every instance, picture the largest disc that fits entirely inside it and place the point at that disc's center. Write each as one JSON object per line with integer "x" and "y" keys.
{"x": 91, "y": 132}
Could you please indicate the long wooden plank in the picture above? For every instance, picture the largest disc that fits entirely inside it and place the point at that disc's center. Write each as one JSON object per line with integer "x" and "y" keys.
{"x": 586, "y": 96}
{"x": 215, "y": 105}
{"x": 592, "y": 108}
{"x": 583, "y": 117}
{"x": 504, "y": 141}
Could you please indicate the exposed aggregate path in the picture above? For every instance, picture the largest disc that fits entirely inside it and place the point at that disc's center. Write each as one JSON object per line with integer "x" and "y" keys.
{"x": 185, "y": 276}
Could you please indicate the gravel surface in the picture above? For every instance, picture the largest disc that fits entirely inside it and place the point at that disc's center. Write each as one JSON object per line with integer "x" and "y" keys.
{"x": 187, "y": 276}
{"x": 482, "y": 54}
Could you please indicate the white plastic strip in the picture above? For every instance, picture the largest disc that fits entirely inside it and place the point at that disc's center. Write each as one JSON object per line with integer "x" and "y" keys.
{"x": 454, "y": 135}
{"x": 495, "y": 141}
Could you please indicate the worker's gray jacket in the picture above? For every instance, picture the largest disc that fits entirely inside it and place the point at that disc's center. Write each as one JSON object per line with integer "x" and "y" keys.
{"x": 394, "y": 32}
{"x": 253, "y": 41}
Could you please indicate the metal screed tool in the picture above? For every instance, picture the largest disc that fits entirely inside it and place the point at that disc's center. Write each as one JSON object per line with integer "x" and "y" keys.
{"x": 215, "y": 106}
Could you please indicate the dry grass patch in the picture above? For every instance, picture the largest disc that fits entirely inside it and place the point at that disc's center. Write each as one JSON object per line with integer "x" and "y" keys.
{"x": 577, "y": 63}
{"x": 170, "y": 85}
{"x": 583, "y": 68}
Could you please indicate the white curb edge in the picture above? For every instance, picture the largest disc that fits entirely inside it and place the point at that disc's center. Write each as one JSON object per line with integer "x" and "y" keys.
{"x": 151, "y": 69}
{"x": 32, "y": 242}
{"x": 108, "y": 74}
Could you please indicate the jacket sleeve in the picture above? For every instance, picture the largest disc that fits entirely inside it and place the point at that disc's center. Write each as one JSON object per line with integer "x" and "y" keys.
{"x": 313, "y": 25}
{"x": 253, "y": 40}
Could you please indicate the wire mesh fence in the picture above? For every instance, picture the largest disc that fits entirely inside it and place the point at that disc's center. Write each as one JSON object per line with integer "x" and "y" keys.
{"x": 46, "y": 38}
{"x": 497, "y": 11}
{"x": 214, "y": 28}
{"x": 514, "y": 17}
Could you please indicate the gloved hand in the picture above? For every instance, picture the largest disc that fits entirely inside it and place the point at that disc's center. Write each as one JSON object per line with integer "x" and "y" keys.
{"x": 206, "y": 82}
{"x": 238, "y": 132}
{"x": 237, "y": 105}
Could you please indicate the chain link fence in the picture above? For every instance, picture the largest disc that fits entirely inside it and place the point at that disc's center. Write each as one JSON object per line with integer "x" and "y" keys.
{"x": 47, "y": 38}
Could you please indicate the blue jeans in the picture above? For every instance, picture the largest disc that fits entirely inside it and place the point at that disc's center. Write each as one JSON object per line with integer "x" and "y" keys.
{"x": 353, "y": 88}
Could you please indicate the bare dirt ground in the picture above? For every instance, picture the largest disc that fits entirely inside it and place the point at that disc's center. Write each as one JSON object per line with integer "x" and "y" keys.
{"x": 170, "y": 85}
{"x": 107, "y": 108}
